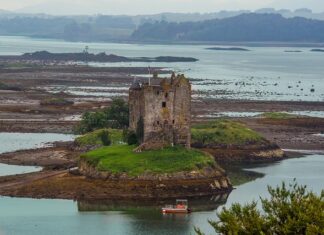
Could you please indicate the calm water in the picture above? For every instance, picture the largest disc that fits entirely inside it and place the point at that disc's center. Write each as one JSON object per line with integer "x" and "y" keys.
{"x": 32, "y": 216}
{"x": 10, "y": 142}
{"x": 264, "y": 73}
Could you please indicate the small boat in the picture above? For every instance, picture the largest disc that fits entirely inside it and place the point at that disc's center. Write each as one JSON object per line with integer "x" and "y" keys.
{"x": 181, "y": 206}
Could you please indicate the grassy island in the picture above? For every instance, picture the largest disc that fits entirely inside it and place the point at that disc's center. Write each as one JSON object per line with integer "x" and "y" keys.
{"x": 122, "y": 159}
{"x": 224, "y": 132}
{"x": 278, "y": 115}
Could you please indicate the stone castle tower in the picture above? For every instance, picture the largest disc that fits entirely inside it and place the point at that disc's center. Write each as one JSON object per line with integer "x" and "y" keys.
{"x": 162, "y": 106}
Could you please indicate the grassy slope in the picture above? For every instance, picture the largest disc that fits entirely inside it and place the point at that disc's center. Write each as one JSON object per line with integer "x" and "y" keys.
{"x": 224, "y": 132}
{"x": 121, "y": 158}
{"x": 93, "y": 138}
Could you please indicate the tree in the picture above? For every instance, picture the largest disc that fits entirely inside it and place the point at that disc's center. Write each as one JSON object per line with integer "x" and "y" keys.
{"x": 118, "y": 113}
{"x": 116, "y": 116}
{"x": 91, "y": 121}
{"x": 290, "y": 210}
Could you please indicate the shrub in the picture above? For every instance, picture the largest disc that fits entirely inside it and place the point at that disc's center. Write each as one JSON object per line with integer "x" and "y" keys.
{"x": 118, "y": 112}
{"x": 105, "y": 138}
{"x": 130, "y": 137}
{"x": 91, "y": 121}
{"x": 115, "y": 117}
{"x": 291, "y": 210}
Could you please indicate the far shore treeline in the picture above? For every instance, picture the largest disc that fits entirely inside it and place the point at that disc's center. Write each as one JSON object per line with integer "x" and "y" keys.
{"x": 246, "y": 27}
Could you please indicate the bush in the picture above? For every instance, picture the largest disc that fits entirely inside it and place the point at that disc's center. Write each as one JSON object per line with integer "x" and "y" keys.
{"x": 91, "y": 121}
{"x": 115, "y": 117}
{"x": 291, "y": 210}
{"x": 105, "y": 138}
{"x": 130, "y": 137}
{"x": 118, "y": 112}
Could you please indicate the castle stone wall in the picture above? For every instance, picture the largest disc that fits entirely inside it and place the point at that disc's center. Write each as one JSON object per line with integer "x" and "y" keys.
{"x": 165, "y": 106}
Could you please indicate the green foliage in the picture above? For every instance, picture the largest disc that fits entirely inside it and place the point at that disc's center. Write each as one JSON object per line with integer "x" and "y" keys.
{"x": 118, "y": 113}
{"x": 224, "y": 132}
{"x": 122, "y": 159}
{"x": 278, "y": 115}
{"x": 91, "y": 121}
{"x": 95, "y": 138}
{"x": 56, "y": 101}
{"x": 290, "y": 210}
{"x": 140, "y": 130}
{"x": 130, "y": 137}
{"x": 105, "y": 138}
{"x": 116, "y": 117}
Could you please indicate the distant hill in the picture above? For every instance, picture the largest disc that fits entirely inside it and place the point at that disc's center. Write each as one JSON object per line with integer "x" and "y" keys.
{"x": 250, "y": 27}
{"x": 225, "y": 26}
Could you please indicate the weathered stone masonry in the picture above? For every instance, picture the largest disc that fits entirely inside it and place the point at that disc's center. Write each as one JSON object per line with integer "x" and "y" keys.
{"x": 164, "y": 105}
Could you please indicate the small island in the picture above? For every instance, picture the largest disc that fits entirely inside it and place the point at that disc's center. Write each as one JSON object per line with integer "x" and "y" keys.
{"x": 90, "y": 57}
{"x": 227, "y": 49}
{"x": 293, "y": 51}
{"x": 317, "y": 50}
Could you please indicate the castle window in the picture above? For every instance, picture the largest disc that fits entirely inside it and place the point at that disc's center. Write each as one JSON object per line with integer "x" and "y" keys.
{"x": 158, "y": 122}
{"x": 173, "y": 121}
{"x": 163, "y": 104}
{"x": 166, "y": 95}
{"x": 157, "y": 93}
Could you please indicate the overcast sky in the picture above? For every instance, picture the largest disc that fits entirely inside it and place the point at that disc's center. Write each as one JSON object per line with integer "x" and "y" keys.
{"x": 150, "y": 6}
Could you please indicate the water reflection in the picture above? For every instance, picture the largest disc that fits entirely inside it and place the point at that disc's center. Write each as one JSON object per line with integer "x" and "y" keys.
{"x": 195, "y": 204}
{"x": 145, "y": 217}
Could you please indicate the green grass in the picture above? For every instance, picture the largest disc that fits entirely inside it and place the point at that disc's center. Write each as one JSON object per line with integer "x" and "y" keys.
{"x": 278, "y": 115}
{"x": 122, "y": 159}
{"x": 93, "y": 138}
{"x": 224, "y": 132}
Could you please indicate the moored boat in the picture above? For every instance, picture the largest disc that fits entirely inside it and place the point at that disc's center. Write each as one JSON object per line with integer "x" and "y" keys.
{"x": 181, "y": 206}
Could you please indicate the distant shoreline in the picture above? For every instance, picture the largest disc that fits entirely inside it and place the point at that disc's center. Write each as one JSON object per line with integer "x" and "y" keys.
{"x": 202, "y": 43}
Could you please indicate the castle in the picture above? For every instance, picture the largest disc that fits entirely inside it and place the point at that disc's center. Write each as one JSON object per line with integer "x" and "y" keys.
{"x": 162, "y": 108}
